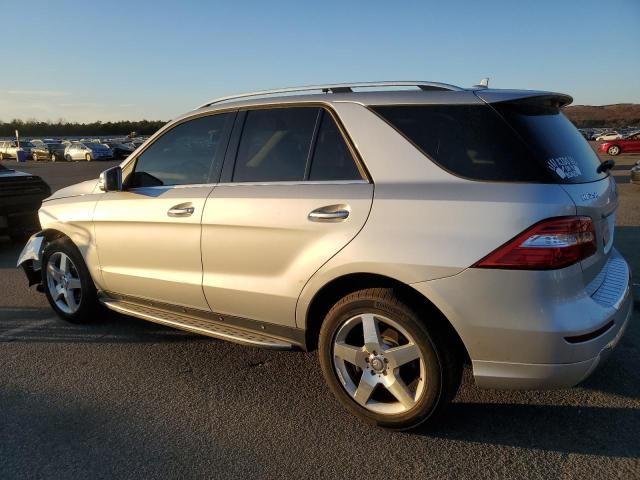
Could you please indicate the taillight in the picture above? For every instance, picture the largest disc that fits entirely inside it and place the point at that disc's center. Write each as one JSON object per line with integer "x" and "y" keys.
{"x": 553, "y": 243}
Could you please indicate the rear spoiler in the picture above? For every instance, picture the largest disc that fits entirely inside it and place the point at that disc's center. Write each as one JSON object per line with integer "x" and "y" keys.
{"x": 494, "y": 96}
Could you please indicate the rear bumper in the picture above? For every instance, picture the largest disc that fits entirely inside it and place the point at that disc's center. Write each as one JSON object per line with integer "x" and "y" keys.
{"x": 529, "y": 376}
{"x": 535, "y": 330}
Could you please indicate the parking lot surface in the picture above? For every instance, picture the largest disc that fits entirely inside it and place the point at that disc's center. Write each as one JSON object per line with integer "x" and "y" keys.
{"x": 128, "y": 399}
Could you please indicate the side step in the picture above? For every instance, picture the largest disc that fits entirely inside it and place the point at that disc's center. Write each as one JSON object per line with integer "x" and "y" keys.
{"x": 195, "y": 324}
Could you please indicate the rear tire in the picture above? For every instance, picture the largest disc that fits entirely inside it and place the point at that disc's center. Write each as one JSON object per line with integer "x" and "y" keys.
{"x": 67, "y": 158}
{"x": 67, "y": 283}
{"x": 1, "y": 156}
{"x": 405, "y": 379}
{"x": 613, "y": 150}
{"x": 34, "y": 156}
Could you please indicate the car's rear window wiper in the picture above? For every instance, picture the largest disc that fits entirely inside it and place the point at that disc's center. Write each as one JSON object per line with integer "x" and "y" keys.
{"x": 605, "y": 166}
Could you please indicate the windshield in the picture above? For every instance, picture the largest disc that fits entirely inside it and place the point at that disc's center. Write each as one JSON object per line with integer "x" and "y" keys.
{"x": 553, "y": 139}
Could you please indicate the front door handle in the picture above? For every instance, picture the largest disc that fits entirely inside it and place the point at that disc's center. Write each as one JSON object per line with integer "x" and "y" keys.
{"x": 330, "y": 213}
{"x": 182, "y": 210}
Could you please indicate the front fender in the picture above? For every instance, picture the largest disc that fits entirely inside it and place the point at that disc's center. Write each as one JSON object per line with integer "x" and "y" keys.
{"x": 30, "y": 258}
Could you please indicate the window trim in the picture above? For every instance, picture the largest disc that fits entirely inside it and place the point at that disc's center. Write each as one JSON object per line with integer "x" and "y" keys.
{"x": 232, "y": 150}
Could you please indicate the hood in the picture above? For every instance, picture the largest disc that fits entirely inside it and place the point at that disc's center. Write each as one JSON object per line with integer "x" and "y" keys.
{"x": 83, "y": 188}
{"x": 8, "y": 172}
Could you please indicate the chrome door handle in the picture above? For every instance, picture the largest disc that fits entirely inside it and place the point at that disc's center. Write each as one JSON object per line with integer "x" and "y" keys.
{"x": 330, "y": 213}
{"x": 180, "y": 211}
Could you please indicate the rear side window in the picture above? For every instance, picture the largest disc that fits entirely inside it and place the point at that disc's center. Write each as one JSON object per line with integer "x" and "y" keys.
{"x": 332, "y": 159}
{"x": 190, "y": 153}
{"x": 275, "y": 145}
{"x": 471, "y": 141}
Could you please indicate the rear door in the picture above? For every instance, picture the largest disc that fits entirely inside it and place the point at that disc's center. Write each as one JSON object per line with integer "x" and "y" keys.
{"x": 148, "y": 236}
{"x": 292, "y": 194}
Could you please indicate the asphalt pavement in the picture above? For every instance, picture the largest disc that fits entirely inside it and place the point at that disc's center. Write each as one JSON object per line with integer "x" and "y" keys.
{"x": 122, "y": 398}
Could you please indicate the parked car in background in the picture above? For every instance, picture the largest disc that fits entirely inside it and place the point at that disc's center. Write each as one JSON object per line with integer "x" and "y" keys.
{"x": 87, "y": 151}
{"x": 8, "y": 148}
{"x": 628, "y": 144}
{"x": 489, "y": 239}
{"x": 52, "y": 150}
{"x": 120, "y": 150}
{"x": 21, "y": 195}
{"x": 613, "y": 135}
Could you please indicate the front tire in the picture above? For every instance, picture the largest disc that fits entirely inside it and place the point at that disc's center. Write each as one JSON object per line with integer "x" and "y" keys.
{"x": 87, "y": 157}
{"x": 613, "y": 150}
{"x": 67, "y": 282}
{"x": 67, "y": 158}
{"x": 385, "y": 363}
{"x": 34, "y": 156}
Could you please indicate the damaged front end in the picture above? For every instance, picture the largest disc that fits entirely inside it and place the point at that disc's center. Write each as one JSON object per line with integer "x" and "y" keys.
{"x": 31, "y": 259}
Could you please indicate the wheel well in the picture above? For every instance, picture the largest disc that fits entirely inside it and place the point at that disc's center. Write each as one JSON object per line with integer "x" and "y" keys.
{"x": 339, "y": 287}
{"x": 50, "y": 234}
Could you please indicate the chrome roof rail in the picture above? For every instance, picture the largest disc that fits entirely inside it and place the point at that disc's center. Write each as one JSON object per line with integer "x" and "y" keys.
{"x": 336, "y": 88}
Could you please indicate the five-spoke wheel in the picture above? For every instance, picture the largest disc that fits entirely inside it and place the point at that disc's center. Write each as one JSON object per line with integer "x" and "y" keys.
{"x": 63, "y": 282}
{"x": 385, "y": 362}
{"x": 68, "y": 284}
{"x": 382, "y": 367}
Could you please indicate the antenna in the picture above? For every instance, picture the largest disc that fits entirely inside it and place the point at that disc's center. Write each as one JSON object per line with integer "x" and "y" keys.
{"x": 484, "y": 83}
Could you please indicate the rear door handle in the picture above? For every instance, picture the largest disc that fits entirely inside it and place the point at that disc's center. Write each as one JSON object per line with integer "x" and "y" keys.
{"x": 181, "y": 210}
{"x": 330, "y": 213}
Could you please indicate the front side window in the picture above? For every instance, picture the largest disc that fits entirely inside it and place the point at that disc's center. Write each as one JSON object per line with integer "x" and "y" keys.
{"x": 190, "y": 153}
{"x": 275, "y": 144}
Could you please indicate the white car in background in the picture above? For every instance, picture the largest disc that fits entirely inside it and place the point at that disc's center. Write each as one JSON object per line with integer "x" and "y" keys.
{"x": 608, "y": 136}
{"x": 87, "y": 151}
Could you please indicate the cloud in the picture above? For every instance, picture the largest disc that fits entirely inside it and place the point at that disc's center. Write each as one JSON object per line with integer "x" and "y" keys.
{"x": 38, "y": 93}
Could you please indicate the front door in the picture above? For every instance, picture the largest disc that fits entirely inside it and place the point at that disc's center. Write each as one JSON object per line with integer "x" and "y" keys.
{"x": 295, "y": 197}
{"x": 148, "y": 236}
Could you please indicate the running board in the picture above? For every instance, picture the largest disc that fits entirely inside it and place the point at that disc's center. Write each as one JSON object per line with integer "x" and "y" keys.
{"x": 198, "y": 325}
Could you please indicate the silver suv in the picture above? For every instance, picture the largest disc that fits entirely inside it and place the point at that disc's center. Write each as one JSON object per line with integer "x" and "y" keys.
{"x": 404, "y": 232}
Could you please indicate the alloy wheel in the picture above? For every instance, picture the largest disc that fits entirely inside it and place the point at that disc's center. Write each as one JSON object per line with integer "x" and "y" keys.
{"x": 63, "y": 282}
{"x": 379, "y": 364}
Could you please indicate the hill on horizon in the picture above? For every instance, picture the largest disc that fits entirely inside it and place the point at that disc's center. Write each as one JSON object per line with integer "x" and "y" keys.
{"x": 615, "y": 115}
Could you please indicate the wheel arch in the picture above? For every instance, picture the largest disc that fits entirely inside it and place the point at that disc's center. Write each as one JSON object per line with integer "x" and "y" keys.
{"x": 331, "y": 292}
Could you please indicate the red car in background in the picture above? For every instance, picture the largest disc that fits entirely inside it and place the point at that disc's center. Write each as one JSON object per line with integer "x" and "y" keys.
{"x": 628, "y": 144}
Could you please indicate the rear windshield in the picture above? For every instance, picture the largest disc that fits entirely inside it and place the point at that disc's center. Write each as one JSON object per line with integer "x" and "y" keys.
{"x": 475, "y": 141}
{"x": 555, "y": 141}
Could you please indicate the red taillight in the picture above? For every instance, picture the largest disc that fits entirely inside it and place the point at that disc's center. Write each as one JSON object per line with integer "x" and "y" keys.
{"x": 553, "y": 243}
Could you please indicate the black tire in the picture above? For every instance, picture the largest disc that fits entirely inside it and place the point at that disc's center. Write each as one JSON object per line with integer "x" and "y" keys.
{"x": 88, "y": 304}
{"x": 1, "y": 156}
{"x": 53, "y": 157}
{"x": 613, "y": 150}
{"x": 87, "y": 157}
{"x": 67, "y": 158}
{"x": 34, "y": 156}
{"x": 443, "y": 368}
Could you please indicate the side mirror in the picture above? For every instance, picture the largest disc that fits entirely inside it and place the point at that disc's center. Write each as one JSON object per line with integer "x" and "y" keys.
{"x": 111, "y": 180}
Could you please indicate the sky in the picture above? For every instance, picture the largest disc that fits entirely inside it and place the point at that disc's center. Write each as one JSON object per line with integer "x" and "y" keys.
{"x": 132, "y": 60}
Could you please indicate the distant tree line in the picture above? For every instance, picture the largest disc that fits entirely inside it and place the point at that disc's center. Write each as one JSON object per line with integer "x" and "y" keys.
{"x": 33, "y": 128}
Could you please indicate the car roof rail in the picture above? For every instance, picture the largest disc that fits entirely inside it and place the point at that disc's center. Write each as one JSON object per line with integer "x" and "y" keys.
{"x": 336, "y": 88}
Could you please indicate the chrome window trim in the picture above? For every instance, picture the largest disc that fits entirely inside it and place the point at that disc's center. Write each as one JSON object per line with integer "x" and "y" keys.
{"x": 295, "y": 182}
{"x": 237, "y": 184}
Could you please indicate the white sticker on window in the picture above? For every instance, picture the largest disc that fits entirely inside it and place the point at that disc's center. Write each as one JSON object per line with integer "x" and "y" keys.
{"x": 564, "y": 167}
